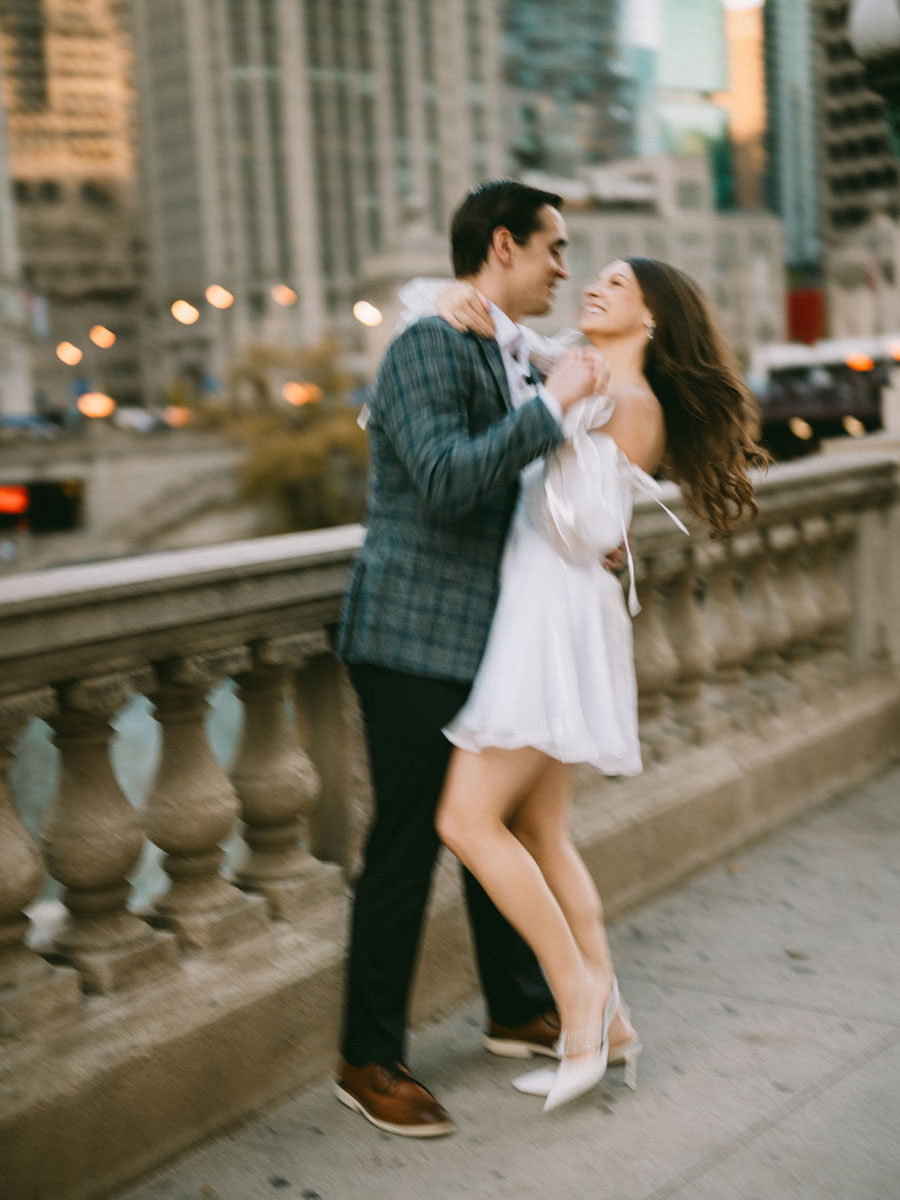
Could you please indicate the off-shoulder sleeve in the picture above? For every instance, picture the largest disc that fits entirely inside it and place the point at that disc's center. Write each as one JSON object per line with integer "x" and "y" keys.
{"x": 582, "y": 501}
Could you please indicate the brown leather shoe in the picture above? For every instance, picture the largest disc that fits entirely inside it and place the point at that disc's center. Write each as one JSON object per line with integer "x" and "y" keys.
{"x": 390, "y": 1098}
{"x": 537, "y": 1036}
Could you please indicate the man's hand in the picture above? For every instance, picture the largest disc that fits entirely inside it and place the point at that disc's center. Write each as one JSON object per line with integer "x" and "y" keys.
{"x": 616, "y": 559}
{"x": 463, "y": 306}
{"x": 583, "y": 372}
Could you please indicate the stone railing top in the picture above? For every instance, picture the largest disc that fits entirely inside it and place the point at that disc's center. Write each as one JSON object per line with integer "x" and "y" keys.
{"x": 79, "y": 621}
{"x": 55, "y": 587}
{"x": 72, "y": 622}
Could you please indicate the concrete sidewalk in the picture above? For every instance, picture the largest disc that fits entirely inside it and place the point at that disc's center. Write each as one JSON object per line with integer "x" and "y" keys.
{"x": 767, "y": 993}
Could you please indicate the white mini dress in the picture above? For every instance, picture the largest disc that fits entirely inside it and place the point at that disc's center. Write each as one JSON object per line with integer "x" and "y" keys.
{"x": 558, "y": 668}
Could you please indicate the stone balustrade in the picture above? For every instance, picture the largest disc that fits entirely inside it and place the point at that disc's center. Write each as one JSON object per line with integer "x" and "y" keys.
{"x": 769, "y": 674}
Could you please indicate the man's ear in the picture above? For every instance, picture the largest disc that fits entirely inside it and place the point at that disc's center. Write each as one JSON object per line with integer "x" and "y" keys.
{"x": 503, "y": 242}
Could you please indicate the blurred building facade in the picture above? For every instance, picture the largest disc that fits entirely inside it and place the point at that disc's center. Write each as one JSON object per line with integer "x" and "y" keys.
{"x": 15, "y": 375}
{"x": 744, "y": 100}
{"x": 69, "y": 100}
{"x": 284, "y": 145}
{"x": 569, "y": 92}
{"x": 833, "y": 176}
{"x": 677, "y": 56}
{"x": 665, "y": 207}
{"x": 860, "y": 173}
{"x": 860, "y": 209}
{"x": 791, "y": 102}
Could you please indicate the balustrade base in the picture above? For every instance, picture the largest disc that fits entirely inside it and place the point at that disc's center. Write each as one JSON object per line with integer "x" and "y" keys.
{"x": 48, "y": 993}
{"x": 214, "y": 929}
{"x": 104, "y": 972}
{"x": 292, "y": 899}
{"x": 154, "y": 1070}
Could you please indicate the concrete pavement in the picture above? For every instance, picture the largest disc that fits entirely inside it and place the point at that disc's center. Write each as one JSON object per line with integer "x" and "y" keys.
{"x": 767, "y": 993}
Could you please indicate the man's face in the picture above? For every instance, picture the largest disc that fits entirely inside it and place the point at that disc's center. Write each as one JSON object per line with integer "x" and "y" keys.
{"x": 540, "y": 265}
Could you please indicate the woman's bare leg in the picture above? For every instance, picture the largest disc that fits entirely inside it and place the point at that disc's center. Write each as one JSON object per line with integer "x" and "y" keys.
{"x": 482, "y": 794}
{"x": 541, "y": 823}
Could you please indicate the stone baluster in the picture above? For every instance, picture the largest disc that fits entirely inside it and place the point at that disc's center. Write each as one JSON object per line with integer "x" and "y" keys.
{"x": 31, "y": 990}
{"x": 828, "y": 540}
{"x": 191, "y": 808}
{"x": 92, "y": 841}
{"x": 729, "y": 630}
{"x": 656, "y": 664}
{"x": 333, "y": 733}
{"x": 801, "y": 607}
{"x": 696, "y": 653}
{"x": 766, "y": 612}
{"x": 277, "y": 787}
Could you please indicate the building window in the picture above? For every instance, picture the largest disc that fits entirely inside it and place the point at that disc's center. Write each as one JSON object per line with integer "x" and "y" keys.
{"x": 689, "y": 194}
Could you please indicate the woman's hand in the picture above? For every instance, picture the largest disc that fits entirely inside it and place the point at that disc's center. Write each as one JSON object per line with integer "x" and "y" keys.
{"x": 463, "y": 306}
{"x": 582, "y": 372}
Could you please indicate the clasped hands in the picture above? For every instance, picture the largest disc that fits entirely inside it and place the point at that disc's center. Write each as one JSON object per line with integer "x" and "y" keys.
{"x": 581, "y": 372}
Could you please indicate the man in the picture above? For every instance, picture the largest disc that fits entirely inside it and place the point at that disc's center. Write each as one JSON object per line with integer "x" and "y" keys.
{"x": 452, "y": 423}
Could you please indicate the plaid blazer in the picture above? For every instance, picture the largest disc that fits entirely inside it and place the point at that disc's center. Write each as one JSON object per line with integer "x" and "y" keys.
{"x": 445, "y": 456}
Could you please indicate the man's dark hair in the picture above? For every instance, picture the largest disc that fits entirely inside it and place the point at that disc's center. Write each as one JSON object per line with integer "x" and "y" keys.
{"x": 506, "y": 202}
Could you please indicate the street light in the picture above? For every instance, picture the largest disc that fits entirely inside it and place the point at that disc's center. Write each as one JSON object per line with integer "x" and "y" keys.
{"x": 284, "y": 295}
{"x": 69, "y": 354}
{"x": 218, "y": 296}
{"x": 301, "y": 393}
{"x": 367, "y": 314}
{"x": 102, "y": 337}
{"x": 95, "y": 404}
{"x": 184, "y": 312}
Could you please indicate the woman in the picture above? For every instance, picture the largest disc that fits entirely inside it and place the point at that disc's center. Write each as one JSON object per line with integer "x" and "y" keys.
{"x": 556, "y": 685}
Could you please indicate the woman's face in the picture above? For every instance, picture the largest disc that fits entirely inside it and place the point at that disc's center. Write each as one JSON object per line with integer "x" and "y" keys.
{"x": 613, "y": 304}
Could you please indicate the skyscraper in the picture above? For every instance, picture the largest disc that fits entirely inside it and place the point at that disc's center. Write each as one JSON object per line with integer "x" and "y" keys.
{"x": 791, "y": 103}
{"x": 861, "y": 175}
{"x": 69, "y": 102}
{"x": 15, "y": 383}
{"x": 286, "y": 142}
{"x": 677, "y": 58}
{"x": 745, "y": 102}
{"x": 570, "y": 91}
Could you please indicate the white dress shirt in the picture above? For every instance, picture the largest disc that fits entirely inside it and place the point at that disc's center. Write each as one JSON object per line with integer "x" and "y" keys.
{"x": 514, "y": 351}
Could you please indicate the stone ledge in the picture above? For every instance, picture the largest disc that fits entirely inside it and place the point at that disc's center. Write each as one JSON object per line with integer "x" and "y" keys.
{"x": 144, "y": 1076}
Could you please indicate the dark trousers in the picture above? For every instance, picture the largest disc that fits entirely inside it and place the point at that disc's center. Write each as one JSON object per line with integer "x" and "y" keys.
{"x": 404, "y": 715}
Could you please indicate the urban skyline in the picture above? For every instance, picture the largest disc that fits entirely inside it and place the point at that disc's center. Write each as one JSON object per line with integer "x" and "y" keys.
{"x": 297, "y": 158}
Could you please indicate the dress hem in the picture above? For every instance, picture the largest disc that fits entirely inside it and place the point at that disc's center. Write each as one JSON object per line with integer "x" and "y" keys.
{"x": 475, "y": 744}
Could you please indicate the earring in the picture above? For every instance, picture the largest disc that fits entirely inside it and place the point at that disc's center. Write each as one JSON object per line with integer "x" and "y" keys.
{"x": 650, "y": 326}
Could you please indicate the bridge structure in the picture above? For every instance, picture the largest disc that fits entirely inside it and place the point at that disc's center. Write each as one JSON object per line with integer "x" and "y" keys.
{"x": 769, "y": 680}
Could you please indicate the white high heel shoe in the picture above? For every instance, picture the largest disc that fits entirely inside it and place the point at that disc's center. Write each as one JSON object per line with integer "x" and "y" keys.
{"x": 583, "y": 1058}
{"x": 625, "y": 1053}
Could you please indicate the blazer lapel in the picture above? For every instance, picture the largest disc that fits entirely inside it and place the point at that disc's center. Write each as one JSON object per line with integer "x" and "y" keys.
{"x": 494, "y": 359}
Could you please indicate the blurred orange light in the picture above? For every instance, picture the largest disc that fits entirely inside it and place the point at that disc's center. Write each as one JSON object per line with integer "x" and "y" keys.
{"x": 184, "y": 312}
{"x": 284, "y": 295}
{"x": 366, "y": 313}
{"x": 218, "y": 296}
{"x": 859, "y": 362}
{"x": 95, "y": 404}
{"x": 800, "y": 428}
{"x": 102, "y": 337}
{"x": 13, "y": 499}
{"x": 895, "y": 350}
{"x": 301, "y": 393}
{"x": 176, "y": 416}
{"x": 69, "y": 354}
{"x": 853, "y": 426}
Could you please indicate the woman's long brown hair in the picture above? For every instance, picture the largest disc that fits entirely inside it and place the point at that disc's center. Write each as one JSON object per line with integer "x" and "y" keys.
{"x": 710, "y": 414}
